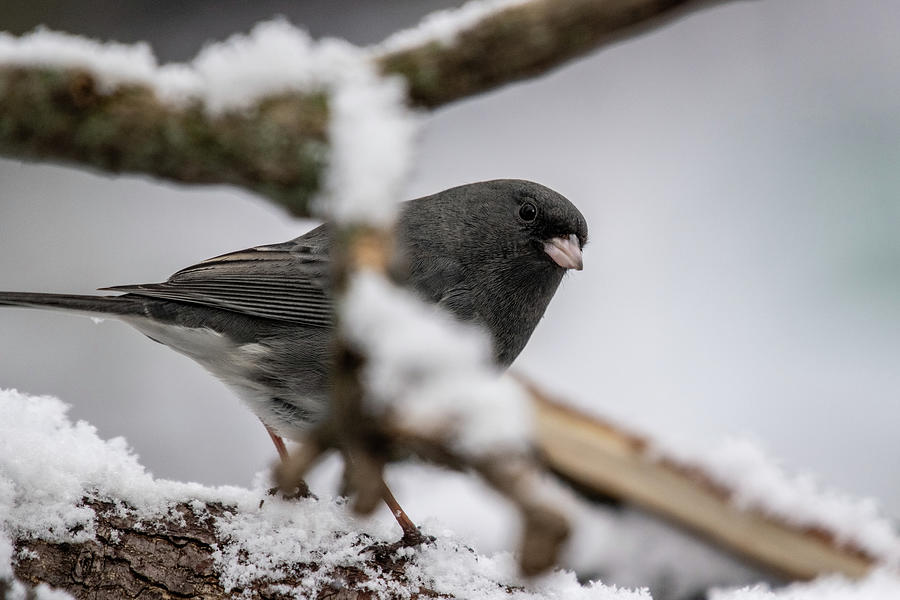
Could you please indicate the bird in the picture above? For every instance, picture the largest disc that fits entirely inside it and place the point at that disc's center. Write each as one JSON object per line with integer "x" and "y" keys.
{"x": 491, "y": 253}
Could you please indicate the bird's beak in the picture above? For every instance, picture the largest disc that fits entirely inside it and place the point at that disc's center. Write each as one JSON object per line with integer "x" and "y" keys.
{"x": 565, "y": 252}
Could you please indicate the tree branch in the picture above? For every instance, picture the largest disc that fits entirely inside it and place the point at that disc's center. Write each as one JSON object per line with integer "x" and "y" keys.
{"x": 278, "y": 147}
{"x": 521, "y": 42}
{"x": 604, "y": 459}
{"x": 175, "y": 558}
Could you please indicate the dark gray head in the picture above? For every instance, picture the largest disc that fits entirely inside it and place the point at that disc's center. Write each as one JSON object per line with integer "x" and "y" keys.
{"x": 493, "y": 252}
{"x": 492, "y": 222}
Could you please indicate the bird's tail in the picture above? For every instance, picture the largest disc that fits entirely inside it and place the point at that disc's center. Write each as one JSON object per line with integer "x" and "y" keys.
{"x": 108, "y": 305}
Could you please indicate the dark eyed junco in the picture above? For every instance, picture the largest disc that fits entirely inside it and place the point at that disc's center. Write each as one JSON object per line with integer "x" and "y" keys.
{"x": 491, "y": 253}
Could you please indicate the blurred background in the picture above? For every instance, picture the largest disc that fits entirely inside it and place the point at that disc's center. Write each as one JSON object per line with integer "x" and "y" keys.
{"x": 740, "y": 173}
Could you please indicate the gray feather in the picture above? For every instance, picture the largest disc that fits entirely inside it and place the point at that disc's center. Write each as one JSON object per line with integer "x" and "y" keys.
{"x": 285, "y": 282}
{"x": 107, "y": 305}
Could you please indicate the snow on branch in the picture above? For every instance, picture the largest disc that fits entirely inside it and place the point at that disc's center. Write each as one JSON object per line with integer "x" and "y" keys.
{"x": 734, "y": 496}
{"x": 256, "y": 110}
{"x": 81, "y": 513}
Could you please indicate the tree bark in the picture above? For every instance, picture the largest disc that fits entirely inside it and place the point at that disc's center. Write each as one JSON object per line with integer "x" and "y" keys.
{"x": 174, "y": 558}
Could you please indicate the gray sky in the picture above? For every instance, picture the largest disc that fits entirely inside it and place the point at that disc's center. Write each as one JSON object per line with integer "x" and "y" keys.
{"x": 739, "y": 173}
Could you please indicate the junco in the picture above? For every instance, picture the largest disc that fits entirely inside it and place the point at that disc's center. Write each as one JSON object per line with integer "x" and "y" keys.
{"x": 491, "y": 253}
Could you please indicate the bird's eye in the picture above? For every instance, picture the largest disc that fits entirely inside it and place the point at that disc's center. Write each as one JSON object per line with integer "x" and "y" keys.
{"x": 528, "y": 211}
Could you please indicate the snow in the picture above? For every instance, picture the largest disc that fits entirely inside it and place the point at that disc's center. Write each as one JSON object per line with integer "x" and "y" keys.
{"x": 757, "y": 481}
{"x": 265, "y": 543}
{"x": 632, "y": 548}
{"x": 113, "y": 63}
{"x": 274, "y": 57}
{"x": 372, "y": 134}
{"x": 6, "y": 557}
{"x": 267, "y": 547}
{"x": 48, "y": 463}
{"x": 443, "y": 26}
{"x": 880, "y": 585}
{"x": 434, "y": 374}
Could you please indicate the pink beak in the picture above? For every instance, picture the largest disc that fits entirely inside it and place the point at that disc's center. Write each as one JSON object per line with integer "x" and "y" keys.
{"x": 565, "y": 252}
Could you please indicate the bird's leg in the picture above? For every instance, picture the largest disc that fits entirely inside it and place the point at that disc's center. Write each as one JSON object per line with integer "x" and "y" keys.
{"x": 279, "y": 443}
{"x": 411, "y": 535}
{"x": 302, "y": 488}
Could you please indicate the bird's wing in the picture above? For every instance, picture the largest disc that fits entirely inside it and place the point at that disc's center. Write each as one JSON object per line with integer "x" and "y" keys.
{"x": 283, "y": 282}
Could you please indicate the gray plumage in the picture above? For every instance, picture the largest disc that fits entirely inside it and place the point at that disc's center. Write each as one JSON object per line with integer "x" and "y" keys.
{"x": 261, "y": 319}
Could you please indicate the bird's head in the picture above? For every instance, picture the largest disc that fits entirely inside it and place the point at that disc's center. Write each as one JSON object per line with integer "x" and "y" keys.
{"x": 517, "y": 221}
{"x": 550, "y": 222}
{"x": 493, "y": 253}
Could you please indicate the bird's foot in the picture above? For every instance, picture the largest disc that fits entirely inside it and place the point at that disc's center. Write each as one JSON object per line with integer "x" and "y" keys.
{"x": 413, "y": 537}
{"x": 300, "y": 492}
{"x": 387, "y": 553}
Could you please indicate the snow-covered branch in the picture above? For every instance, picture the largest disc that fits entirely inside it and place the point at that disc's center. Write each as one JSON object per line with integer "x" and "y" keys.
{"x": 268, "y": 111}
{"x": 483, "y": 45}
{"x": 255, "y": 111}
{"x": 735, "y": 496}
{"x": 81, "y": 513}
